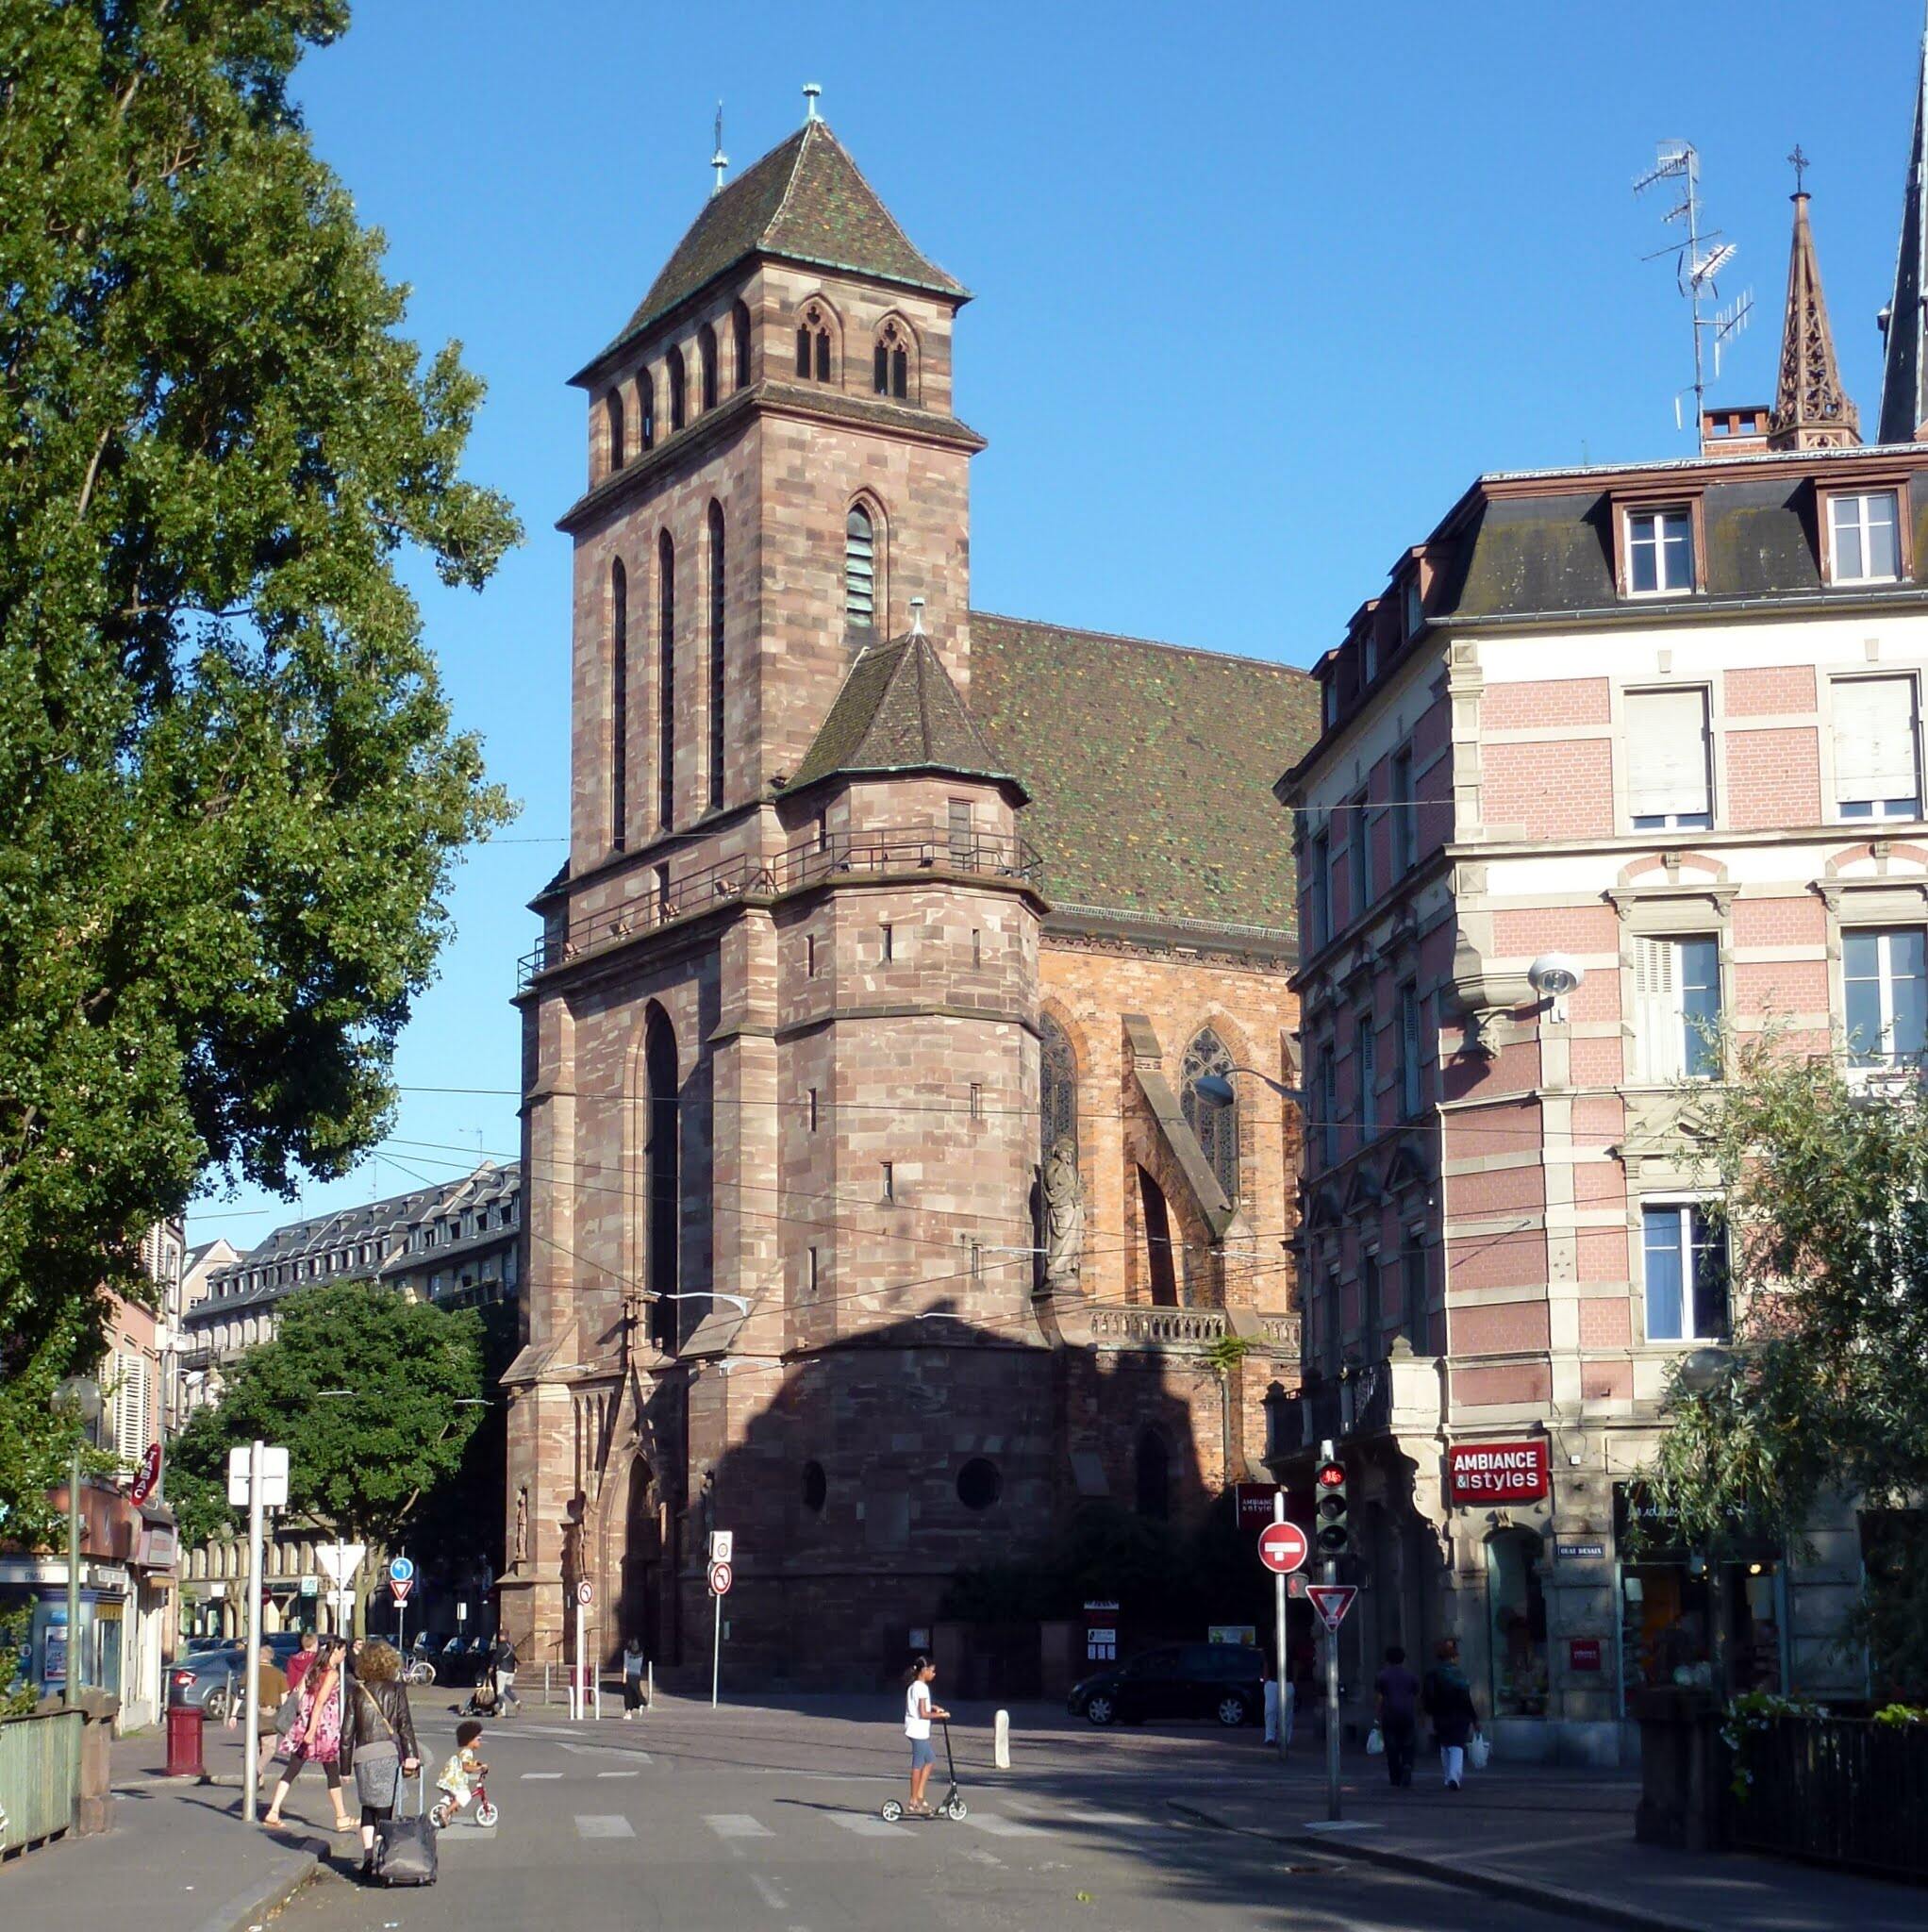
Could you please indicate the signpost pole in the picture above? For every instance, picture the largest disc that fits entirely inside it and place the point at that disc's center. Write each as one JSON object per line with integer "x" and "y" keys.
{"x": 252, "y": 1725}
{"x": 577, "y": 1685}
{"x": 1280, "y": 1678}
{"x": 1331, "y": 1705}
{"x": 716, "y": 1652}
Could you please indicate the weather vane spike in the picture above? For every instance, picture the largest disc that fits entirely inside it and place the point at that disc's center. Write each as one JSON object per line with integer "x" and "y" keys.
{"x": 719, "y": 161}
{"x": 1799, "y": 163}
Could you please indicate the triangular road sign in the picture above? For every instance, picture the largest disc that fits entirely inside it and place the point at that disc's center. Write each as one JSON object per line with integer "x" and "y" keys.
{"x": 1332, "y": 1601}
{"x": 340, "y": 1560}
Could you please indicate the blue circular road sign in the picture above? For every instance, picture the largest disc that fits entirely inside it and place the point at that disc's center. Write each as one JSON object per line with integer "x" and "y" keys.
{"x": 401, "y": 1569}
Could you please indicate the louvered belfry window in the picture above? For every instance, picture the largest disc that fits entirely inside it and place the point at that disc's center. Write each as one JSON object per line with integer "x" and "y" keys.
{"x": 1877, "y": 761}
{"x": 1668, "y": 782}
{"x": 860, "y": 568}
{"x": 1057, "y": 1086}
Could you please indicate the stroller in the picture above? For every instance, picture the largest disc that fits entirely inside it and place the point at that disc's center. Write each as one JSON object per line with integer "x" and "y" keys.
{"x": 952, "y": 1806}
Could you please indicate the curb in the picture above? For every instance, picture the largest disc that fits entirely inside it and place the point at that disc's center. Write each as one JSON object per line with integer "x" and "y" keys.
{"x": 1528, "y": 1891}
{"x": 250, "y": 1909}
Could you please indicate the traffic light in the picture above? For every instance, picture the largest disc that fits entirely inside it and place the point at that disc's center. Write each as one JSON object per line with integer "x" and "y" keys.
{"x": 1333, "y": 1534}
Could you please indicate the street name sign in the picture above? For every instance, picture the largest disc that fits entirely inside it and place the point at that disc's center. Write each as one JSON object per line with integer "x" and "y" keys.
{"x": 1332, "y": 1601}
{"x": 1283, "y": 1548}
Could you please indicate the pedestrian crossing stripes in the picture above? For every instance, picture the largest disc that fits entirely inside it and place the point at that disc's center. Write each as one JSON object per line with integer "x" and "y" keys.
{"x": 739, "y": 1827}
{"x": 1002, "y": 1827}
{"x": 737, "y": 1824}
{"x": 593, "y": 1824}
{"x": 865, "y": 1826}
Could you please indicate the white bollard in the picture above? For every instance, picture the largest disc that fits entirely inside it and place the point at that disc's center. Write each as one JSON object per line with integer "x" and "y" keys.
{"x": 1000, "y": 1734}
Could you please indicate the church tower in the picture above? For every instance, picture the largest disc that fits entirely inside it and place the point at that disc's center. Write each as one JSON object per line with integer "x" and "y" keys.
{"x": 780, "y": 1036}
{"x": 1904, "y": 371}
{"x": 1811, "y": 408}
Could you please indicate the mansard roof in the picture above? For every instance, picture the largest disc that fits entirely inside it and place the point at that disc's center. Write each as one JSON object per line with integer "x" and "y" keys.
{"x": 899, "y": 711}
{"x": 804, "y": 200}
{"x": 1150, "y": 767}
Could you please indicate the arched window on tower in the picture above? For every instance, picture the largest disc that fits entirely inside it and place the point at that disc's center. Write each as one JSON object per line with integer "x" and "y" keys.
{"x": 860, "y": 568}
{"x": 662, "y": 1173}
{"x": 705, "y": 349}
{"x": 612, "y": 414}
{"x": 740, "y": 328}
{"x": 679, "y": 388}
{"x": 890, "y": 361}
{"x": 666, "y": 681}
{"x": 619, "y": 705}
{"x": 1216, "y": 1125}
{"x": 813, "y": 344}
{"x": 716, "y": 600}
{"x": 645, "y": 409}
{"x": 1057, "y": 1087}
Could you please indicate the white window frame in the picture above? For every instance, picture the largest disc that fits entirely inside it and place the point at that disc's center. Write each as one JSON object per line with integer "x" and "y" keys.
{"x": 1850, "y": 810}
{"x": 1662, "y": 1044}
{"x": 1860, "y": 499}
{"x": 1683, "y": 1207}
{"x": 1654, "y": 516}
{"x": 1671, "y": 821}
{"x": 1882, "y": 1059}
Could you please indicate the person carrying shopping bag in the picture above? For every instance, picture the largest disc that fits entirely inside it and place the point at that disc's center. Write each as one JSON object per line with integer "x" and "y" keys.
{"x": 1448, "y": 1700}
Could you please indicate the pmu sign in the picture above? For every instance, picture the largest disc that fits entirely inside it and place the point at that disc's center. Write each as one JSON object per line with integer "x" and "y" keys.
{"x": 1498, "y": 1471}
{"x": 1283, "y": 1548}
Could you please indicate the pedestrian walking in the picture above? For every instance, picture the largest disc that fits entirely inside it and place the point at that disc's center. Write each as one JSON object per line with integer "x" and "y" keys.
{"x": 1269, "y": 1693}
{"x": 271, "y": 1691}
{"x": 1398, "y": 1712}
{"x": 1448, "y": 1699}
{"x": 303, "y": 1659}
{"x": 634, "y": 1663}
{"x": 378, "y": 1744}
{"x": 917, "y": 1713}
{"x": 315, "y": 1735}
{"x": 505, "y": 1660}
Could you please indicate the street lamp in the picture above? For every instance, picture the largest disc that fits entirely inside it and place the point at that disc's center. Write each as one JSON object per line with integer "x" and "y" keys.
{"x": 78, "y": 1398}
{"x": 1219, "y": 1090}
{"x": 1706, "y": 1369}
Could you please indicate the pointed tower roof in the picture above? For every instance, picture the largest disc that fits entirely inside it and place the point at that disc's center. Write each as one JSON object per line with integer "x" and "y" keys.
{"x": 806, "y": 201}
{"x": 1905, "y": 376}
{"x": 899, "y": 711}
{"x": 1811, "y": 408}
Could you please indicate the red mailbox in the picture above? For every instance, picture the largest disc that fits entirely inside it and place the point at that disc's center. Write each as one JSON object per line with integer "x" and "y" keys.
{"x": 184, "y": 1725}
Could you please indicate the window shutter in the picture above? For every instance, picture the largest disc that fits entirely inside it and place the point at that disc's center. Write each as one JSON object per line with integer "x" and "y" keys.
{"x": 1657, "y": 1026}
{"x": 1874, "y": 739}
{"x": 1667, "y": 753}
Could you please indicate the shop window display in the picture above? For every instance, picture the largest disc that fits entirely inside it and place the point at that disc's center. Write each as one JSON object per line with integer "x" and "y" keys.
{"x": 1516, "y": 1606}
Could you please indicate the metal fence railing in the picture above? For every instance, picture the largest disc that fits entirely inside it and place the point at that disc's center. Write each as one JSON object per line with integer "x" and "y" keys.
{"x": 1843, "y": 1791}
{"x": 40, "y": 1776}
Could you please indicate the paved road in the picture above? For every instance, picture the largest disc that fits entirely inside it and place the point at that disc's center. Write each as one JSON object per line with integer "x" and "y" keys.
{"x": 767, "y": 1820}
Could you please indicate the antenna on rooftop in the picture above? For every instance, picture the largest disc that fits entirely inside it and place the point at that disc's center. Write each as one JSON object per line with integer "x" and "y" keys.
{"x": 719, "y": 161}
{"x": 1699, "y": 255}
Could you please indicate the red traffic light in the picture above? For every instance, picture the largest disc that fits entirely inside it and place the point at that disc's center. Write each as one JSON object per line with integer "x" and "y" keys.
{"x": 1331, "y": 1476}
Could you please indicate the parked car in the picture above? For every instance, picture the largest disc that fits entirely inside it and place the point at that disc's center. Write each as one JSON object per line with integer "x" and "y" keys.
{"x": 206, "y": 1679}
{"x": 1222, "y": 1681}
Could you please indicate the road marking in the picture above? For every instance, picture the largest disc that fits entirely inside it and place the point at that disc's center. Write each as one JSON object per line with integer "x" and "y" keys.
{"x": 1100, "y": 1818}
{"x": 532, "y": 1777}
{"x": 767, "y": 1891}
{"x": 865, "y": 1826}
{"x": 1339, "y": 1825}
{"x": 618, "y": 1774}
{"x": 610, "y": 1751}
{"x": 1548, "y": 1845}
{"x": 737, "y": 1824}
{"x": 1001, "y": 1827}
{"x": 595, "y": 1825}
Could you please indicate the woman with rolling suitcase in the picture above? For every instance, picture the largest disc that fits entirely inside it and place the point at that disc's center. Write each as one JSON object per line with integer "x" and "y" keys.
{"x": 378, "y": 1745}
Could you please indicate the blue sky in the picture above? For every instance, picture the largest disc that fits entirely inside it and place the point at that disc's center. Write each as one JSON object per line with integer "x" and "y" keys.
{"x": 1259, "y": 289}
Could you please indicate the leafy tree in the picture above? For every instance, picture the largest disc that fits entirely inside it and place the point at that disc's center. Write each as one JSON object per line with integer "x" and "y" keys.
{"x": 1823, "y": 1193}
{"x": 230, "y": 794}
{"x": 374, "y": 1397}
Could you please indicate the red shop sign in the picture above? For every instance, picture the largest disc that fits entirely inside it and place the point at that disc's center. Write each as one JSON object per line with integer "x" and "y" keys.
{"x": 1498, "y": 1471}
{"x": 1583, "y": 1653}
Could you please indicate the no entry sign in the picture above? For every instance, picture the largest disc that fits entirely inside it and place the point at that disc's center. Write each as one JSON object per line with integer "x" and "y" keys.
{"x": 1283, "y": 1548}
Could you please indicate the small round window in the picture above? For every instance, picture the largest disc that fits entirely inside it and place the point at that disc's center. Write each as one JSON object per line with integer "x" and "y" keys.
{"x": 816, "y": 1487}
{"x": 978, "y": 1484}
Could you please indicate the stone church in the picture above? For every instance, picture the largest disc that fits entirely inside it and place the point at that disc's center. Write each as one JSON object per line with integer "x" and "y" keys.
{"x": 875, "y": 1212}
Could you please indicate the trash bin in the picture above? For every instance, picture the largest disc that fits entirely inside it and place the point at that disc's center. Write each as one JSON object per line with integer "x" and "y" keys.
{"x": 184, "y": 1725}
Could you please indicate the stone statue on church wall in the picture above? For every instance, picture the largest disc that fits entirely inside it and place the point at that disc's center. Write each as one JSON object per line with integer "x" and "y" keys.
{"x": 1064, "y": 1215}
{"x": 522, "y": 1527}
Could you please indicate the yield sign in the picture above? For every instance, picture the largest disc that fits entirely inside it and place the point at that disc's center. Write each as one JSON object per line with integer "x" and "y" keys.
{"x": 340, "y": 1560}
{"x": 1332, "y": 1601}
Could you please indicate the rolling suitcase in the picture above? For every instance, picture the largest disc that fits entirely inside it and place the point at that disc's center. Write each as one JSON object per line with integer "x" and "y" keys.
{"x": 405, "y": 1847}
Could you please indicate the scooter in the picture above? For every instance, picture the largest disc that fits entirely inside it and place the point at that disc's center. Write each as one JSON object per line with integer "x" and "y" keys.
{"x": 952, "y": 1806}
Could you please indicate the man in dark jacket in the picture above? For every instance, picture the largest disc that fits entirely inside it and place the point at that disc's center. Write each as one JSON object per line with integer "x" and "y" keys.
{"x": 502, "y": 1661}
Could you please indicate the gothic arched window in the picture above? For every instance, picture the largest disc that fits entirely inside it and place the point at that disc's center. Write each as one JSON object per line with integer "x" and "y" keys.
{"x": 645, "y": 409}
{"x": 860, "y": 568}
{"x": 890, "y": 361}
{"x": 612, "y": 411}
{"x": 813, "y": 344}
{"x": 740, "y": 328}
{"x": 662, "y": 1173}
{"x": 618, "y": 703}
{"x": 705, "y": 349}
{"x": 1216, "y": 1125}
{"x": 678, "y": 389}
{"x": 666, "y": 680}
{"x": 1057, "y": 1086}
{"x": 716, "y": 657}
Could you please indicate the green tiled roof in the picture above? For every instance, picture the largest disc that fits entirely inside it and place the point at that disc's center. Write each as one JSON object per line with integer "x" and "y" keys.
{"x": 898, "y": 711}
{"x": 1150, "y": 767}
{"x": 806, "y": 200}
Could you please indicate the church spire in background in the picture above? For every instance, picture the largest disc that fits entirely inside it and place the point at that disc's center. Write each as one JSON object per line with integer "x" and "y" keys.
{"x": 1903, "y": 405}
{"x": 1811, "y": 408}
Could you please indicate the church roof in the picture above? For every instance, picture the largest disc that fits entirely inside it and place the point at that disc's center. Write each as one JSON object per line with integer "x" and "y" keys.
{"x": 806, "y": 201}
{"x": 899, "y": 711}
{"x": 1150, "y": 767}
{"x": 1905, "y": 376}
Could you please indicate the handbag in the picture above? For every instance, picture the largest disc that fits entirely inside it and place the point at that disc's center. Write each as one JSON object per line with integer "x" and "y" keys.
{"x": 286, "y": 1713}
{"x": 1478, "y": 1751}
{"x": 378, "y": 1765}
{"x": 1375, "y": 1742}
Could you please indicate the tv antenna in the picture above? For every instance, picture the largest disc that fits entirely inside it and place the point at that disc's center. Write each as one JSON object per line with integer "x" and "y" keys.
{"x": 1699, "y": 255}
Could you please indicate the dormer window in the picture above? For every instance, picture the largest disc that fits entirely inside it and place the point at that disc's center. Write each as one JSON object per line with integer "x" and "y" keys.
{"x": 891, "y": 361}
{"x": 1412, "y": 608}
{"x": 1659, "y": 553}
{"x": 1864, "y": 538}
{"x": 1369, "y": 658}
{"x": 813, "y": 344}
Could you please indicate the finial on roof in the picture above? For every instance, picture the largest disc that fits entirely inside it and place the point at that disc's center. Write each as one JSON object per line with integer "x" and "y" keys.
{"x": 917, "y": 617}
{"x": 1811, "y": 408}
{"x": 1799, "y": 162}
{"x": 810, "y": 93}
{"x": 719, "y": 161}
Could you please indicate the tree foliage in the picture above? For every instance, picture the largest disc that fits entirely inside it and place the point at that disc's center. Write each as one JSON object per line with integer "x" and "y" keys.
{"x": 230, "y": 793}
{"x": 374, "y": 1397}
{"x": 1823, "y": 1193}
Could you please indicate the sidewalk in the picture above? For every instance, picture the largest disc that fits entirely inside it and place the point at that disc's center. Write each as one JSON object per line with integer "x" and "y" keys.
{"x": 1559, "y": 1839}
{"x": 177, "y": 1858}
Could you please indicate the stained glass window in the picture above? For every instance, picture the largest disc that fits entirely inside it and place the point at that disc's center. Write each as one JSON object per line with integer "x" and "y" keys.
{"x": 1216, "y": 1125}
{"x": 1057, "y": 1087}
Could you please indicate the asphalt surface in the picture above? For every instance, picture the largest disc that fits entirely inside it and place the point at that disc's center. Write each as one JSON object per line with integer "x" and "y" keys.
{"x": 767, "y": 1819}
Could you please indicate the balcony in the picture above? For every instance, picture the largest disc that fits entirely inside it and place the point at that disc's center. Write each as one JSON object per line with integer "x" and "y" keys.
{"x": 810, "y": 862}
